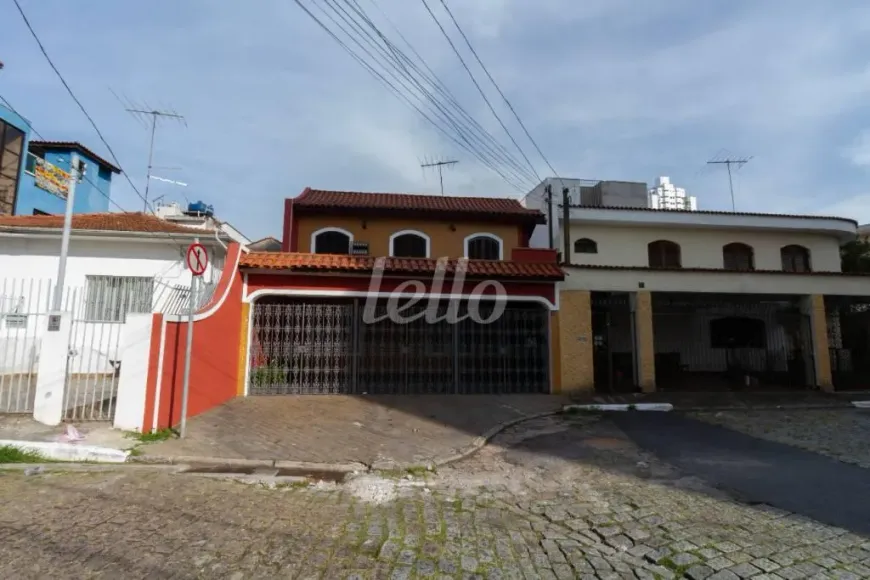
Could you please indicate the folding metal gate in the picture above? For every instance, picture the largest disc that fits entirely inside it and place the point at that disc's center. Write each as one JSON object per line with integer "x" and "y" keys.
{"x": 319, "y": 347}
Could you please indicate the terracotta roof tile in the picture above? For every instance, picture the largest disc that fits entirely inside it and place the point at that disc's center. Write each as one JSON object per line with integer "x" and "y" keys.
{"x": 408, "y": 202}
{"x": 303, "y": 262}
{"x": 42, "y": 145}
{"x": 103, "y": 222}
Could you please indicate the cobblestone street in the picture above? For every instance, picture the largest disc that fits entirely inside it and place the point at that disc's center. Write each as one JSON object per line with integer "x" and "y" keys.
{"x": 839, "y": 433}
{"x": 553, "y": 498}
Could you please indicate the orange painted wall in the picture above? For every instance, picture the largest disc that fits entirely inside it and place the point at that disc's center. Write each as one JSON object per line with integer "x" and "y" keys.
{"x": 214, "y": 367}
{"x": 445, "y": 242}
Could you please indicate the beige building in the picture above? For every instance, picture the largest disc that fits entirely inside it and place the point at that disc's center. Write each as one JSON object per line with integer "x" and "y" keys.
{"x": 679, "y": 300}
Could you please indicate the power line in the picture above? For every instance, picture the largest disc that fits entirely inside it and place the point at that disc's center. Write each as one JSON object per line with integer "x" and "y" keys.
{"x": 495, "y": 84}
{"x": 74, "y": 98}
{"x": 157, "y": 233}
{"x": 438, "y": 85}
{"x": 390, "y": 86}
{"x": 441, "y": 111}
{"x": 479, "y": 89}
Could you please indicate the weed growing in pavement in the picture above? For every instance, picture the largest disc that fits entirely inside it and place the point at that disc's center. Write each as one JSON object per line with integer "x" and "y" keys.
{"x": 151, "y": 436}
{"x": 12, "y": 454}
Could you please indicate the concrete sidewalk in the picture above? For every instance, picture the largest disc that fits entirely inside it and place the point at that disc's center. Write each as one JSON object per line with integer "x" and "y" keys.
{"x": 378, "y": 431}
{"x": 25, "y": 428}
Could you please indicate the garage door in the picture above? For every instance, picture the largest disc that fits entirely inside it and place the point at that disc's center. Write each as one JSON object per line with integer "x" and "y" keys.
{"x": 318, "y": 347}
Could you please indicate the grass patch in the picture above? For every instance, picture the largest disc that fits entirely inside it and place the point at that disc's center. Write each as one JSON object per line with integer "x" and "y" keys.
{"x": 416, "y": 471}
{"x": 152, "y": 436}
{"x": 11, "y": 454}
{"x": 678, "y": 570}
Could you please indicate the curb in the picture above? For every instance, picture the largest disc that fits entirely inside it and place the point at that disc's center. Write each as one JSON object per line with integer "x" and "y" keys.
{"x": 72, "y": 452}
{"x": 861, "y": 404}
{"x": 349, "y": 467}
{"x": 807, "y": 407}
{"x": 660, "y": 407}
{"x": 239, "y": 462}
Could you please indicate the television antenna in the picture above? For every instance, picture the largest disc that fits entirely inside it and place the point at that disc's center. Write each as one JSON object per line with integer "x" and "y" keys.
{"x": 728, "y": 161}
{"x": 150, "y": 116}
{"x": 440, "y": 165}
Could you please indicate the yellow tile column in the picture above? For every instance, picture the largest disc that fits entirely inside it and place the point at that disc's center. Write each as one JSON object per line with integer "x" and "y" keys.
{"x": 821, "y": 352}
{"x": 243, "y": 350}
{"x": 575, "y": 342}
{"x": 645, "y": 341}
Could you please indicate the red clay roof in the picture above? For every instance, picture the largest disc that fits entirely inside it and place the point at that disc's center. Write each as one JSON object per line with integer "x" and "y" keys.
{"x": 408, "y": 202}
{"x": 303, "y": 262}
{"x": 42, "y": 145}
{"x": 103, "y": 222}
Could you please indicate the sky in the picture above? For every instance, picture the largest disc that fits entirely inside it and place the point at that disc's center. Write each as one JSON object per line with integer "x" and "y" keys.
{"x": 609, "y": 89}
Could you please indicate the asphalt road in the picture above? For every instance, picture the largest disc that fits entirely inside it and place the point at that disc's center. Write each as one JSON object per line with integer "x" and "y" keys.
{"x": 759, "y": 471}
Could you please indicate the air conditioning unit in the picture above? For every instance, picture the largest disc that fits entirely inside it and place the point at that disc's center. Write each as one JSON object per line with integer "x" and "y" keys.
{"x": 359, "y": 248}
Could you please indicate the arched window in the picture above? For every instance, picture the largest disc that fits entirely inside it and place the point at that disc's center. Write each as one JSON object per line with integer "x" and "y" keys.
{"x": 585, "y": 246}
{"x": 795, "y": 258}
{"x": 737, "y": 256}
{"x": 664, "y": 254}
{"x": 331, "y": 241}
{"x": 483, "y": 247}
{"x": 409, "y": 244}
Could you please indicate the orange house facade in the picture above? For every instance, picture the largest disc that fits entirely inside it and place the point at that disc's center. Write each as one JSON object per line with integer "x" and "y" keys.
{"x": 372, "y": 293}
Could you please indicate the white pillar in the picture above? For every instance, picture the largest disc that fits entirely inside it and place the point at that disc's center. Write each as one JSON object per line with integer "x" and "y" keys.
{"x": 133, "y": 379}
{"x": 51, "y": 377}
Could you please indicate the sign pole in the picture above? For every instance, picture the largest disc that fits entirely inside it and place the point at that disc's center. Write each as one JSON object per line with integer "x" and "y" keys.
{"x": 67, "y": 226}
{"x": 197, "y": 258}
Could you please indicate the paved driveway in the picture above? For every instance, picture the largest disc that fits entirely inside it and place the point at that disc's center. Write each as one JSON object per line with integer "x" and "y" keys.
{"x": 341, "y": 429}
{"x": 760, "y": 471}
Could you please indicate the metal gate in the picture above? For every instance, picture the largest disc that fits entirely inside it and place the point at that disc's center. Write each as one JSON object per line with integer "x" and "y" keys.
{"x": 849, "y": 341}
{"x": 723, "y": 342}
{"x": 314, "y": 347}
{"x": 93, "y": 362}
{"x": 24, "y": 306}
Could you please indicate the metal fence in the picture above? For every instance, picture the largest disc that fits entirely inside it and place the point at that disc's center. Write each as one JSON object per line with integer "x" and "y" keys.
{"x": 93, "y": 356}
{"x": 24, "y": 307}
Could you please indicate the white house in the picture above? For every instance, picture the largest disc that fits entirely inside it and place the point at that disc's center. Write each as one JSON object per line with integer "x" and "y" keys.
{"x": 118, "y": 264}
{"x": 689, "y": 300}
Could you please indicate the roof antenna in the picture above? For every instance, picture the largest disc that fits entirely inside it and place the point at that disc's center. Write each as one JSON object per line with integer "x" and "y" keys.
{"x": 728, "y": 161}
{"x": 150, "y": 116}
{"x": 440, "y": 165}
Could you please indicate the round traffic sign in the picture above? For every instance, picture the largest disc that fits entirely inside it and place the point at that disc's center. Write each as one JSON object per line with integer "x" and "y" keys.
{"x": 197, "y": 259}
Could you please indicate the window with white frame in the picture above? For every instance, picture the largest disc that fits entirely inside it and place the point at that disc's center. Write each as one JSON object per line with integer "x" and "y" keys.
{"x": 111, "y": 298}
{"x": 483, "y": 247}
{"x": 409, "y": 244}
